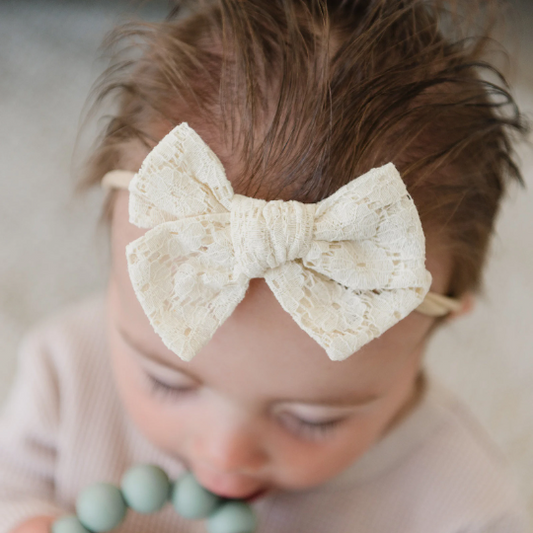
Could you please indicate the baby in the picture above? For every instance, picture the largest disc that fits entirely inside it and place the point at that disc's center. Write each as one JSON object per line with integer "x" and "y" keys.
{"x": 280, "y": 357}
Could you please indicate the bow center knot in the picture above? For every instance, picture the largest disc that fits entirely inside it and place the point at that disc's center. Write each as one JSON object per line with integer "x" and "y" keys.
{"x": 268, "y": 234}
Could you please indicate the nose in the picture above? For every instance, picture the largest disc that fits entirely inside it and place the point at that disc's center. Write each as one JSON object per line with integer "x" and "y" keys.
{"x": 230, "y": 449}
{"x": 227, "y": 455}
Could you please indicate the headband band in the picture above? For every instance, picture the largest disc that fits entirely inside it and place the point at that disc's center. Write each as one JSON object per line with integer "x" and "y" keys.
{"x": 346, "y": 268}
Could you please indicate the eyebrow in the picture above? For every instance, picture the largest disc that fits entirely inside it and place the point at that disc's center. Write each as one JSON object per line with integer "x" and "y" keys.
{"x": 355, "y": 401}
{"x": 151, "y": 356}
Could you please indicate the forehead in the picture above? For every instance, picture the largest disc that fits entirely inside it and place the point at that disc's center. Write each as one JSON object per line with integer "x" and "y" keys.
{"x": 260, "y": 341}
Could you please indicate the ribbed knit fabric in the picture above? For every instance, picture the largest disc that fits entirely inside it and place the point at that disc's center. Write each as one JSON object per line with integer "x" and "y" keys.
{"x": 63, "y": 428}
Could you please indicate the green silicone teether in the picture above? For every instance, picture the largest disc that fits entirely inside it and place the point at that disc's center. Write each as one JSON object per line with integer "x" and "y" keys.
{"x": 146, "y": 488}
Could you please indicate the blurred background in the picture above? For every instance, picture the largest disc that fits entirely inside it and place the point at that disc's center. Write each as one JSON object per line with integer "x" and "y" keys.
{"x": 52, "y": 252}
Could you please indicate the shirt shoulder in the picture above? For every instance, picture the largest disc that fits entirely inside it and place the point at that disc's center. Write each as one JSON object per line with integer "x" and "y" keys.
{"x": 81, "y": 322}
{"x": 71, "y": 344}
{"x": 459, "y": 466}
{"x": 473, "y": 478}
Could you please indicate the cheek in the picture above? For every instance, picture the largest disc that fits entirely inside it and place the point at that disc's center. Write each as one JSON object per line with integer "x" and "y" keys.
{"x": 153, "y": 417}
{"x": 309, "y": 465}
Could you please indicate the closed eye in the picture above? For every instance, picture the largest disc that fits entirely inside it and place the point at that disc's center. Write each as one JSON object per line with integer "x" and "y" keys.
{"x": 308, "y": 429}
{"x": 159, "y": 388}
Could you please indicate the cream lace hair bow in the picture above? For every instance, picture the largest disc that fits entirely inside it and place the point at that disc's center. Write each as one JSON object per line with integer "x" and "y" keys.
{"x": 346, "y": 268}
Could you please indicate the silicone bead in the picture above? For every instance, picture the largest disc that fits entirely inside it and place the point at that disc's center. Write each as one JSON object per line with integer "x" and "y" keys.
{"x": 232, "y": 517}
{"x": 191, "y": 500}
{"x": 145, "y": 488}
{"x": 68, "y": 524}
{"x": 101, "y": 507}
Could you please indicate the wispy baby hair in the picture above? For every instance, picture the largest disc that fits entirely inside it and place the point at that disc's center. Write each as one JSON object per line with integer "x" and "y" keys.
{"x": 299, "y": 97}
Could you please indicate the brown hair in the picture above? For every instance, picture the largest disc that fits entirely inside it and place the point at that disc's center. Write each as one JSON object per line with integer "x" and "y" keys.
{"x": 302, "y": 96}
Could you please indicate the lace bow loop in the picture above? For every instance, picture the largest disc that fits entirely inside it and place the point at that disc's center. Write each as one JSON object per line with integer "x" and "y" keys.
{"x": 181, "y": 177}
{"x": 368, "y": 235}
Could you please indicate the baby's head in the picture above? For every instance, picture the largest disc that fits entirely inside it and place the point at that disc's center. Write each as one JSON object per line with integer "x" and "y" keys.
{"x": 297, "y": 99}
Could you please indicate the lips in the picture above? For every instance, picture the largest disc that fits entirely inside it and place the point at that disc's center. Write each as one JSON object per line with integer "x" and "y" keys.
{"x": 249, "y": 497}
{"x": 231, "y": 487}
{"x": 226, "y": 492}
{"x": 256, "y": 495}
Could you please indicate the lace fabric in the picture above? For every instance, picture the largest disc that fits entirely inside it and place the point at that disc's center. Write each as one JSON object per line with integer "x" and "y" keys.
{"x": 346, "y": 268}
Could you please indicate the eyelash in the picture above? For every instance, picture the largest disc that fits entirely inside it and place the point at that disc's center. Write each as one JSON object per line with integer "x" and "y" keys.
{"x": 303, "y": 428}
{"x": 310, "y": 430}
{"x": 158, "y": 388}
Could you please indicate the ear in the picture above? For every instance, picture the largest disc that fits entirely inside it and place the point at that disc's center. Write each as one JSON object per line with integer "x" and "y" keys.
{"x": 467, "y": 304}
